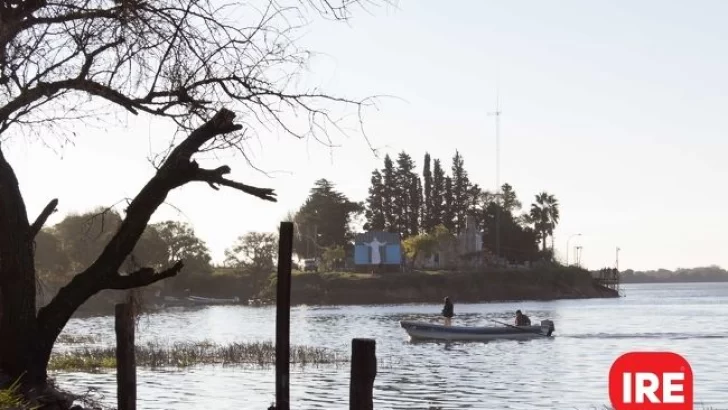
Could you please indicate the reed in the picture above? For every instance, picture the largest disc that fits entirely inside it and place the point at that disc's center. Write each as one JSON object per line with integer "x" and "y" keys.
{"x": 77, "y": 339}
{"x": 10, "y": 398}
{"x": 155, "y": 355}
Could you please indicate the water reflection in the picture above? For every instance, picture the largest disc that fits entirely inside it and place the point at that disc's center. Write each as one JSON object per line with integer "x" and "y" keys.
{"x": 568, "y": 369}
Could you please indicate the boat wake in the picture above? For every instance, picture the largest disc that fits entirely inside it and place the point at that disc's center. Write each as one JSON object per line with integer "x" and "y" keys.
{"x": 668, "y": 336}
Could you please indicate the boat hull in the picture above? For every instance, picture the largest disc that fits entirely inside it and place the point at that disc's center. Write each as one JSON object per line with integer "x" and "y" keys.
{"x": 431, "y": 331}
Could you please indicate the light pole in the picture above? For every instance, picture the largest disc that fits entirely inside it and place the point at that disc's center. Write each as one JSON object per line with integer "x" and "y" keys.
{"x": 567, "y": 247}
{"x": 578, "y": 256}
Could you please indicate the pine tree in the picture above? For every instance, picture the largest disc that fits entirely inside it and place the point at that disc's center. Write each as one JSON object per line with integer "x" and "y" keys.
{"x": 460, "y": 186}
{"x": 448, "y": 218}
{"x": 475, "y": 208}
{"x": 510, "y": 199}
{"x": 437, "y": 196}
{"x": 404, "y": 192}
{"x": 389, "y": 186}
{"x": 415, "y": 213}
{"x": 427, "y": 217}
{"x": 375, "y": 205}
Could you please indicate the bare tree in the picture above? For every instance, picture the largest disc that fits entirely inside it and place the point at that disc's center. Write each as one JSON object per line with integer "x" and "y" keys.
{"x": 220, "y": 71}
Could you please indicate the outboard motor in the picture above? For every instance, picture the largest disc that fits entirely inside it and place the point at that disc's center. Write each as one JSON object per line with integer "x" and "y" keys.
{"x": 547, "y": 327}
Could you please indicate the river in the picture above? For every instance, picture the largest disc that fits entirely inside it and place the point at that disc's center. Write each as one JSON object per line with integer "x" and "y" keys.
{"x": 566, "y": 372}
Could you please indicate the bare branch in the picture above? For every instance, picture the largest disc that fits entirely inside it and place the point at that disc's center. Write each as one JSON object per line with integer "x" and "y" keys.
{"x": 42, "y": 218}
{"x": 214, "y": 177}
{"x": 142, "y": 277}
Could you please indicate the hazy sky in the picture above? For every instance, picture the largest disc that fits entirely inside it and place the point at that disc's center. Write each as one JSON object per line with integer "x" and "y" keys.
{"x": 617, "y": 108}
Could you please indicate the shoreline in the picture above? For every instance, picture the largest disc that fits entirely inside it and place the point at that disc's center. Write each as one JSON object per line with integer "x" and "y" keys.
{"x": 365, "y": 289}
{"x": 549, "y": 283}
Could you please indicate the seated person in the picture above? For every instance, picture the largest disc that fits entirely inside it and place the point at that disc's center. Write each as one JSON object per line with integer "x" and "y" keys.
{"x": 521, "y": 319}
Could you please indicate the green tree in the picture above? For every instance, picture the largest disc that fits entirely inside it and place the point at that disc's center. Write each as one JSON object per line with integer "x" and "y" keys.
{"x": 323, "y": 220}
{"x": 403, "y": 194}
{"x": 84, "y": 236}
{"x": 422, "y": 244}
{"x": 475, "y": 204}
{"x": 181, "y": 243}
{"x": 181, "y": 61}
{"x": 448, "y": 215}
{"x": 375, "y": 214}
{"x": 427, "y": 209}
{"x": 389, "y": 187}
{"x": 437, "y": 212}
{"x": 509, "y": 198}
{"x": 52, "y": 264}
{"x": 518, "y": 243}
{"x": 254, "y": 255}
{"x": 333, "y": 257}
{"x": 545, "y": 216}
{"x": 254, "y": 252}
{"x": 460, "y": 194}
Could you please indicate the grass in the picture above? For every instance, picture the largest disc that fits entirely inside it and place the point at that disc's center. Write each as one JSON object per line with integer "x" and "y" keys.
{"x": 10, "y": 398}
{"x": 154, "y": 355}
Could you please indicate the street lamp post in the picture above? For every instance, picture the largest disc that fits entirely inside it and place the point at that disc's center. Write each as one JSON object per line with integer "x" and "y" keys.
{"x": 578, "y": 256}
{"x": 567, "y": 247}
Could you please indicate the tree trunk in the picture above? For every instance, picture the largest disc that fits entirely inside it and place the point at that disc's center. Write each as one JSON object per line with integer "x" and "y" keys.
{"x": 18, "y": 325}
{"x": 27, "y": 334}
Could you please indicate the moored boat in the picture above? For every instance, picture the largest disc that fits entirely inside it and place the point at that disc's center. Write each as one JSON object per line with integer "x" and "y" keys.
{"x": 214, "y": 301}
{"x": 424, "y": 330}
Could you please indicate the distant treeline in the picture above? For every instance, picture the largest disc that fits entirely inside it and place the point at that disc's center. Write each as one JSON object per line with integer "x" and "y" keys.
{"x": 711, "y": 273}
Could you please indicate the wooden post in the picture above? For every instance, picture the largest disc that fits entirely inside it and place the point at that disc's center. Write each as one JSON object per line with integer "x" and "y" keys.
{"x": 283, "y": 316}
{"x": 125, "y": 358}
{"x": 363, "y": 372}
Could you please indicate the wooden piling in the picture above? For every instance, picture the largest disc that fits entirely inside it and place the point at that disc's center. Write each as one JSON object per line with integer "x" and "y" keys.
{"x": 363, "y": 372}
{"x": 283, "y": 316}
{"x": 125, "y": 358}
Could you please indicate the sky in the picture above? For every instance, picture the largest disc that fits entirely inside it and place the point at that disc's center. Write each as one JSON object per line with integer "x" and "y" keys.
{"x": 617, "y": 108}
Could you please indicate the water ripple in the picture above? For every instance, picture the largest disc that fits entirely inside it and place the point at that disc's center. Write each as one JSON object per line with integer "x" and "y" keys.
{"x": 568, "y": 371}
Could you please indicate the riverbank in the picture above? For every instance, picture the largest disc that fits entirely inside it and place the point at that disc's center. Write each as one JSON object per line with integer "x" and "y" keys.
{"x": 345, "y": 288}
{"x": 349, "y": 288}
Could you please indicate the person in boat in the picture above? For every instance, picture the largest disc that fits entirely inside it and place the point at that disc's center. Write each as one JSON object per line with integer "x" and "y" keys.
{"x": 448, "y": 311}
{"x": 521, "y": 319}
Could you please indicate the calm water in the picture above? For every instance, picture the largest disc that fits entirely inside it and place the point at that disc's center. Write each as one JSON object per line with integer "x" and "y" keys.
{"x": 567, "y": 372}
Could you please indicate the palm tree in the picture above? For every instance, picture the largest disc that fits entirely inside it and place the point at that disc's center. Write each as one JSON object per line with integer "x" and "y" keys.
{"x": 545, "y": 216}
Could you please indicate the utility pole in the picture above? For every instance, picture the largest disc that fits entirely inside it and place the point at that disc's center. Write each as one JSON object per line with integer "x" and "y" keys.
{"x": 497, "y": 114}
{"x": 616, "y": 262}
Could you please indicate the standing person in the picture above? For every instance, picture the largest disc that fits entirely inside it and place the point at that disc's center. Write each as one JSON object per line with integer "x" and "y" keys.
{"x": 448, "y": 311}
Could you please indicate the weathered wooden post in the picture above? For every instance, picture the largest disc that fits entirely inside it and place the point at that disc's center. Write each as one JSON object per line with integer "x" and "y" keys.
{"x": 363, "y": 372}
{"x": 283, "y": 316}
{"x": 125, "y": 358}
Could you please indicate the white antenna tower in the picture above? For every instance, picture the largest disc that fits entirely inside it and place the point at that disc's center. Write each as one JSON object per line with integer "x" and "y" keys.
{"x": 497, "y": 114}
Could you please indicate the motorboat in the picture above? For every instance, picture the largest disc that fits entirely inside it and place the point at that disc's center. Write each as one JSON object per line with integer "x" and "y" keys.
{"x": 418, "y": 330}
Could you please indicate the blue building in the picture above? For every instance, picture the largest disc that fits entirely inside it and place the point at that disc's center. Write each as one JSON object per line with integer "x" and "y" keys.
{"x": 378, "y": 251}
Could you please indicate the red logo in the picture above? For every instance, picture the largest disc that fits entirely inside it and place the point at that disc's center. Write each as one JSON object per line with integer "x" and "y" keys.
{"x": 651, "y": 381}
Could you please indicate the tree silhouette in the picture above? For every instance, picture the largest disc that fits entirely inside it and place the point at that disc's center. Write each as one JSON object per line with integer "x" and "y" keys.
{"x": 545, "y": 216}
{"x": 219, "y": 71}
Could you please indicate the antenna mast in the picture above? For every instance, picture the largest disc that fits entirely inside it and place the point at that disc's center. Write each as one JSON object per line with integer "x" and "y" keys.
{"x": 498, "y": 194}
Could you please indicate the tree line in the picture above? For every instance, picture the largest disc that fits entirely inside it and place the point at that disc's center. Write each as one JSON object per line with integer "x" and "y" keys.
{"x": 434, "y": 203}
{"x": 711, "y": 273}
{"x": 71, "y": 245}
{"x": 401, "y": 200}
